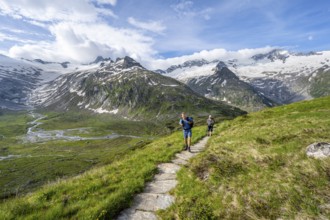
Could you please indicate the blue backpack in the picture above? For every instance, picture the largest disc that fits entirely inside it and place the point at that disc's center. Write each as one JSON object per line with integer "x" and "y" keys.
{"x": 192, "y": 121}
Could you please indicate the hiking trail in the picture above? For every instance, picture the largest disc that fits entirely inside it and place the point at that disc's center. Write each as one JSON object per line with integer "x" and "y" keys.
{"x": 156, "y": 193}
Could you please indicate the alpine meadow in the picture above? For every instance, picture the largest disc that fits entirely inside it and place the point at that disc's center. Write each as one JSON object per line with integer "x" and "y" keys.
{"x": 173, "y": 110}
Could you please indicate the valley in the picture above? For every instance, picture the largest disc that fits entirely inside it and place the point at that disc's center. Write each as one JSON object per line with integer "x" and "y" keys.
{"x": 164, "y": 110}
{"x": 31, "y": 157}
{"x": 84, "y": 139}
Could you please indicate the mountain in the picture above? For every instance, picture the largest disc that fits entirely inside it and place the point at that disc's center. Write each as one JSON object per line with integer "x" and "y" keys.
{"x": 278, "y": 75}
{"x": 320, "y": 83}
{"x": 125, "y": 88}
{"x": 63, "y": 64}
{"x": 17, "y": 80}
{"x": 288, "y": 77}
{"x": 100, "y": 59}
{"x": 20, "y": 77}
{"x": 273, "y": 55}
{"x": 216, "y": 81}
{"x": 224, "y": 85}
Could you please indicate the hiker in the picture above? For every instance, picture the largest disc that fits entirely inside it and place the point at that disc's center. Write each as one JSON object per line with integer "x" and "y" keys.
{"x": 210, "y": 123}
{"x": 186, "y": 123}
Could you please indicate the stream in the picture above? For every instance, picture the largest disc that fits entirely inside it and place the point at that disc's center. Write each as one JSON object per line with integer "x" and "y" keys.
{"x": 35, "y": 134}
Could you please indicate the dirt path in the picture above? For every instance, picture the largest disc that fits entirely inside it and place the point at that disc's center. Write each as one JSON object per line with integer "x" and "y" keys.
{"x": 156, "y": 193}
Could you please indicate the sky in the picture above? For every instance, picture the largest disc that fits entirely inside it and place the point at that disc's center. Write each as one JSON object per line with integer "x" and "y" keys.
{"x": 159, "y": 31}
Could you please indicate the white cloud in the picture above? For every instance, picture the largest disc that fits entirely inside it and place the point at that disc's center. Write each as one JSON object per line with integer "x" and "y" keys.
{"x": 83, "y": 42}
{"x": 9, "y": 37}
{"x": 50, "y": 10}
{"x": 111, "y": 2}
{"x": 209, "y": 55}
{"x": 153, "y": 26}
{"x": 310, "y": 37}
{"x": 185, "y": 8}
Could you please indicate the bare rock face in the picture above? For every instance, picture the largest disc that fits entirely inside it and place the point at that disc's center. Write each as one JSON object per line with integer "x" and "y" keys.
{"x": 318, "y": 150}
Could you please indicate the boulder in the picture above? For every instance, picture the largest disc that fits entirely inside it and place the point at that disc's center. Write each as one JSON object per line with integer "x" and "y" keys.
{"x": 318, "y": 150}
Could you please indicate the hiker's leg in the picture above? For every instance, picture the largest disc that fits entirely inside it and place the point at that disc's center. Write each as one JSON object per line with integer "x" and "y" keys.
{"x": 185, "y": 140}
{"x": 189, "y": 139}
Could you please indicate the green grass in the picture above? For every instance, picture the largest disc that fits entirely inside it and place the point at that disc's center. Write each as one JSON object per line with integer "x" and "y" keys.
{"x": 255, "y": 167}
{"x": 13, "y": 125}
{"x": 47, "y": 161}
{"x": 100, "y": 193}
{"x": 44, "y": 162}
{"x": 103, "y": 124}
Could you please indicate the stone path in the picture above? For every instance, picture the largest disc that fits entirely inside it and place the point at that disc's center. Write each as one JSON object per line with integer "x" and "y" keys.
{"x": 156, "y": 193}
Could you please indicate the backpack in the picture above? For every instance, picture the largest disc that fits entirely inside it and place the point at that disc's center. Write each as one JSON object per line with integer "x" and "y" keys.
{"x": 210, "y": 122}
{"x": 192, "y": 122}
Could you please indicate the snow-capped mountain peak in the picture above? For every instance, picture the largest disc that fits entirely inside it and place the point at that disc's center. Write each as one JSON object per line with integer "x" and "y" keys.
{"x": 280, "y": 75}
{"x": 276, "y": 54}
{"x": 219, "y": 66}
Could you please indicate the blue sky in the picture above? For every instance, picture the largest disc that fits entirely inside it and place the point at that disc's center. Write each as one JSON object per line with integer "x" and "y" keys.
{"x": 79, "y": 30}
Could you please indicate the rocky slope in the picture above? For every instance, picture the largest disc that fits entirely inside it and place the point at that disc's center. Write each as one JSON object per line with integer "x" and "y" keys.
{"x": 18, "y": 78}
{"x": 278, "y": 75}
{"x": 224, "y": 85}
{"x": 125, "y": 88}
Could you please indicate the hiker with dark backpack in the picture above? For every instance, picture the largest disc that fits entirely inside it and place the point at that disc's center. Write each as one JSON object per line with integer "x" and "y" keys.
{"x": 210, "y": 123}
{"x": 187, "y": 123}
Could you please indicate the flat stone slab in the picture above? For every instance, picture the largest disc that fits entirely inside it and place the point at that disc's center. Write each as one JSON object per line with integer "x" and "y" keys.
{"x": 179, "y": 161}
{"x": 162, "y": 186}
{"x": 152, "y": 202}
{"x": 131, "y": 214}
{"x": 165, "y": 176}
{"x": 185, "y": 155}
{"x": 195, "y": 150}
{"x": 168, "y": 168}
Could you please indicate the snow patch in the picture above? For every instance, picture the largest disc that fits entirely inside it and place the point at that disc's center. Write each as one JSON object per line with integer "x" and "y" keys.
{"x": 101, "y": 110}
{"x": 79, "y": 93}
{"x": 170, "y": 85}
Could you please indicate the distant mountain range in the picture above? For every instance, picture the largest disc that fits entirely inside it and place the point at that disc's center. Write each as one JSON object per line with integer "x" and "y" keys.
{"x": 125, "y": 88}
{"x": 276, "y": 77}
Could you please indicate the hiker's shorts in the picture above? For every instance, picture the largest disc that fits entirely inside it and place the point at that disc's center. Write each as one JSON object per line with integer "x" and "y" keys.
{"x": 210, "y": 128}
{"x": 187, "y": 133}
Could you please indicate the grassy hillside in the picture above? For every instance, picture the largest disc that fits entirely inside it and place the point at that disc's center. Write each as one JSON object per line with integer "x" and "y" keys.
{"x": 255, "y": 167}
{"x": 34, "y": 164}
{"x": 101, "y": 192}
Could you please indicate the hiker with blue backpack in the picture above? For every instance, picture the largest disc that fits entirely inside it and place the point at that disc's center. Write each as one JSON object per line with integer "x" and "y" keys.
{"x": 187, "y": 123}
{"x": 210, "y": 123}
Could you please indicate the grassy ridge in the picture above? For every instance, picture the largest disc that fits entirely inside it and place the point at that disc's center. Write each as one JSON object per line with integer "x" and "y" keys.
{"x": 255, "y": 167}
{"x": 100, "y": 193}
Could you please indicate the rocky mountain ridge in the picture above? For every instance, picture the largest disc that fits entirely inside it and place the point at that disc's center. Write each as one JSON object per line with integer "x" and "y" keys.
{"x": 261, "y": 80}
{"x": 280, "y": 76}
{"x": 126, "y": 89}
